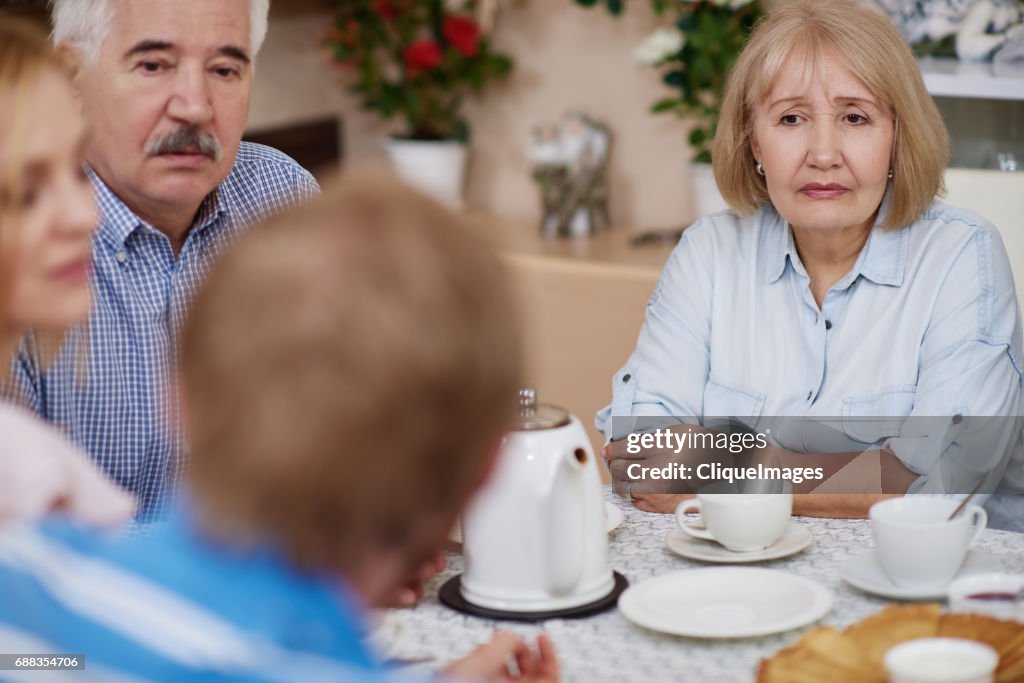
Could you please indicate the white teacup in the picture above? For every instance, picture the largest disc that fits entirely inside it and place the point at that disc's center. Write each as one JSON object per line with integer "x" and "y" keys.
{"x": 918, "y": 545}
{"x": 744, "y": 517}
{"x": 941, "y": 660}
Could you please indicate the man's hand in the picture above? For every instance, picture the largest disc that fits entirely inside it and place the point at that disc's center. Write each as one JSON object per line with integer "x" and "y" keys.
{"x": 491, "y": 661}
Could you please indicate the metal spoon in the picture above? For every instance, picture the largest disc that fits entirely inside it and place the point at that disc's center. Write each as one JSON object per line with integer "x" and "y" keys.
{"x": 966, "y": 500}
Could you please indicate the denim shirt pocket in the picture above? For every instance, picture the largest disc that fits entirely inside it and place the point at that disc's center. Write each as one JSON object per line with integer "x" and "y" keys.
{"x": 726, "y": 401}
{"x": 873, "y": 418}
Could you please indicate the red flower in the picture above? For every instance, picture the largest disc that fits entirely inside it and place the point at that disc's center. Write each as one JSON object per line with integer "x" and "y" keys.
{"x": 463, "y": 34}
{"x": 385, "y": 9}
{"x": 421, "y": 55}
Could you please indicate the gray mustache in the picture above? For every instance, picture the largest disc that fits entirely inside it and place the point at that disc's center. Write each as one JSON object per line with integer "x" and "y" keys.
{"x": 184, "y": 139}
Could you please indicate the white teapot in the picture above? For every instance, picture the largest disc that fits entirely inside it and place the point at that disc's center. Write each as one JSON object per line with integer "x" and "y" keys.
{"x": 534, "y": 537}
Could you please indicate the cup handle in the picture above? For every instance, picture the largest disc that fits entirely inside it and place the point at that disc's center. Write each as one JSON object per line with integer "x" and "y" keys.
{"x": 980, "y": 522}
{"x": 687, "y": 506}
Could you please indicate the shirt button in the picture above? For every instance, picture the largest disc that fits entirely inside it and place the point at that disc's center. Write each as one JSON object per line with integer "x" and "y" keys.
{"x": 828, "y": 324}
{"x": 122, "y": 256}
{"x": 957, "y": 419}
{"x": 626, "y": 377}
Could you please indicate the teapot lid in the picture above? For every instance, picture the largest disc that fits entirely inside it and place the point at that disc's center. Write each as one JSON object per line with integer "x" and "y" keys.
{"x": 535, "y": 416}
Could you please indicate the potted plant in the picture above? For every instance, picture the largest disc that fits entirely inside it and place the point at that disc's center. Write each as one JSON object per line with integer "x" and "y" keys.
{"x": 417, "y": 60}
{"x": 694, "y": 54}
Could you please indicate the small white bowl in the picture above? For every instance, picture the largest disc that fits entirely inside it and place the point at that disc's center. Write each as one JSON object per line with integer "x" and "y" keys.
{"x": 941, "y": 660}
{"x": 966, "y": 594}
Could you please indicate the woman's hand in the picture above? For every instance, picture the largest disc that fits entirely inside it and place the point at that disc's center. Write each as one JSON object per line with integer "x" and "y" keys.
{"x": 506, "y": 657}
{"x": 632, "y": 472}
{"x": 660, "y": 502}
{"x": 619, "y": 460}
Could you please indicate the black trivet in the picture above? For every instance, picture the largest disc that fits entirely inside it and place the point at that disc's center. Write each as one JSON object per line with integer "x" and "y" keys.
{"x": 451, "y": 595}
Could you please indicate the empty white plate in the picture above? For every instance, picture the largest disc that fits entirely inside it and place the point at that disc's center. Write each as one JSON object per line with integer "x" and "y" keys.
{"x": 613, "y": 518}
{"x": 864, "y": 572}
{"x": 796, "y": 538}
{"x": 725, "y": 602}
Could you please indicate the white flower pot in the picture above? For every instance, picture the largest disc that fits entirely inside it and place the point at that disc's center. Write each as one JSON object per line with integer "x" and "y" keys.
{"x": 706, "y": 197}
{"x": 436, "y": 168}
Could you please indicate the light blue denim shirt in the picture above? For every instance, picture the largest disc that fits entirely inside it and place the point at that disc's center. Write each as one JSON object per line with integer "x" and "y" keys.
{"x": 925, "y": 324}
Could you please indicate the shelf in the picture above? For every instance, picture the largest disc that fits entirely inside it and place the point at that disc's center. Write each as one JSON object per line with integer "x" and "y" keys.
{"x": 608, "y": 250}
{"x": 947, "y": 77}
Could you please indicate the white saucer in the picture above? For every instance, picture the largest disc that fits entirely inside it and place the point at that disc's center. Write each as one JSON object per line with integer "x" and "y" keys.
{"x": 864, "y": 572}
{"x": 613, "y": 518}
{"x": 796, "y": 538}
{"x": 725, "y": 602}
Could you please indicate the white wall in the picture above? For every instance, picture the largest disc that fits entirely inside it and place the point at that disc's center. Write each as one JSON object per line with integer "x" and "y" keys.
{"x": 567, "y": 57}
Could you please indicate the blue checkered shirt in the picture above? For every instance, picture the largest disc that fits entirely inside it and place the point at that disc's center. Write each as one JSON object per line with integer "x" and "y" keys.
{"x": 111, "y": 385}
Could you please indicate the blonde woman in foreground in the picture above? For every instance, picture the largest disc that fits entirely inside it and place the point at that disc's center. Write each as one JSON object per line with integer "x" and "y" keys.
{"x": 46, "y": 221}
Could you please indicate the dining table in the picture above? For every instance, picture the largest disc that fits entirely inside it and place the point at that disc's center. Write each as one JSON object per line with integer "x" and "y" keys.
{"x": 608, "y": 647}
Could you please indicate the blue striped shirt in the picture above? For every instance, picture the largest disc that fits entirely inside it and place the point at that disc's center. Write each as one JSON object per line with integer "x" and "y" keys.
{"x": 111, "y": 386}
{"x": 172, "y": 606}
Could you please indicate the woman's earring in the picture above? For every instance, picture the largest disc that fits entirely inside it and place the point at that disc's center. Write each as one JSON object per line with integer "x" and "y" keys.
{"x": 890, "y": 174}
{"x": 760, "y": 169}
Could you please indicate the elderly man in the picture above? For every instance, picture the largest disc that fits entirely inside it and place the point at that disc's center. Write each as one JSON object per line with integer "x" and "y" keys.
{"x": 165, "y": 87}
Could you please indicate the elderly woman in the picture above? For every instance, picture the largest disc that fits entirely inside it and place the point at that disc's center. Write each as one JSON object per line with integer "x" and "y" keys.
{"x": 839, "y": 290}
{"x": 47, "y": 217}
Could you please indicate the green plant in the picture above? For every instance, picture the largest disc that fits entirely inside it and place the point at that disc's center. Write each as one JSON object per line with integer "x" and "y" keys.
{"x": 694, "y": 57}
{"x": 414, "y": 59}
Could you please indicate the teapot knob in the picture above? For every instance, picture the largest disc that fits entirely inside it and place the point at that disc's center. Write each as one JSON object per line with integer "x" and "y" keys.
{"x": 527, "y": 401}
{"x": 534, "y": 416}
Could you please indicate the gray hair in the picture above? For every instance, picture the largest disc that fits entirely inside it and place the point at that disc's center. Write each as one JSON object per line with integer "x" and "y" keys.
{"x": 85, "y": 23}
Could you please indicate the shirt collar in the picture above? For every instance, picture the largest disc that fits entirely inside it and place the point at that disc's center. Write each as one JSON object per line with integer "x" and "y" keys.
{"x": 883, "y": 259}
{"x": 780, "y": 245}
{"x": 118, "y": 222}
{"x": 214, "y": 206}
